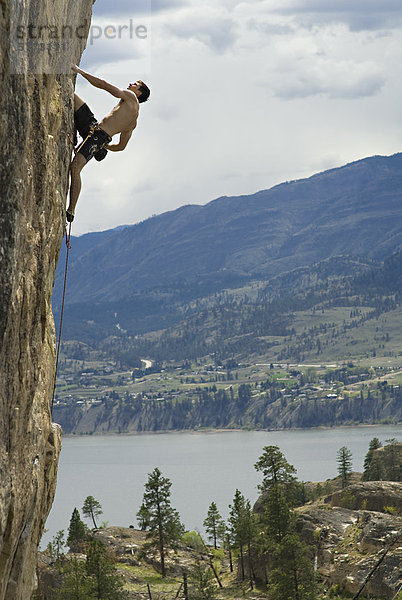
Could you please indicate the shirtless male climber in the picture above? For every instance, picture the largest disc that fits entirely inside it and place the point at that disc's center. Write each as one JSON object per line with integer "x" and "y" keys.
{"x": 97, "y": 136}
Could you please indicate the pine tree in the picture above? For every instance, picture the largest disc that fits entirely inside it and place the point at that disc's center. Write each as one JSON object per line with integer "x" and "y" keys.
{"x": 77, "y": 584}
{"x": 344, "y": 465}
{"x": 292, "y": 572}
{"x": 91, "y": 509}
{"x": 157, "y": 516}
{"x": 275, "y": 468}
{"x": 242, "y": 528}
{"x": 202, "y": 582}
{"x": 250, "y": 527}
{"x": 55, "y": 547}
{"x": 77, "y": 532}
{"x": 276, "y": 518}
{"x": 392, "y": 460}
{"x": 371, "y": 470}
{"x": 107, "y": 584}
{"x": 214, "y": 524}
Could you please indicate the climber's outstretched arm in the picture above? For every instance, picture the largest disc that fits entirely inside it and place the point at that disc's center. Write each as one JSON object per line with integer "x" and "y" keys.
{"x": 102, "y": 84}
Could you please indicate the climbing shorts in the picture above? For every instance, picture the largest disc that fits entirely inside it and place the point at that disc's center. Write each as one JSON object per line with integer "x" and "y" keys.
{"x": 95, "y": 138}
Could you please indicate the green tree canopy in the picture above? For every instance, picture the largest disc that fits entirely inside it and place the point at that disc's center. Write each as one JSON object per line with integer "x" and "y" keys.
{"x": 344, "y": 460}
{"x": 157, "y": 516}
{"x": 202, "y": 586}
{"x": 214, "y": 524}
{"x": 91, "y": 509}
{"x": 77, "y": 584}
{"x": 393, "y": 460}
{"x": 292, "y": 573}
{"x": 242, "y": 528}
{"x": 276, "y": 517}
{"x": 107, "y": 584}
{"x": 77, "y": 532}
{"x": 55, "y": 547}
{"x": 371, "y": 470}
{"x": 275, "y": 468}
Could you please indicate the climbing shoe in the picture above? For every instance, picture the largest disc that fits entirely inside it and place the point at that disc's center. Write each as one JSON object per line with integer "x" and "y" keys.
{"x": 69, "y": 216}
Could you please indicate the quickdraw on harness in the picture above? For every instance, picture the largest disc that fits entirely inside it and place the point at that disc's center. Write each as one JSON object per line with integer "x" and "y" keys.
{"x": 91, "y": 132}
{"x": 101, "y": 152}
{"x": 68, "y": 236}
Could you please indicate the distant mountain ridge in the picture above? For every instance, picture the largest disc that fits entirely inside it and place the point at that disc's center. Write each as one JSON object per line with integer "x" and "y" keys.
{"x": 354, "y": 210}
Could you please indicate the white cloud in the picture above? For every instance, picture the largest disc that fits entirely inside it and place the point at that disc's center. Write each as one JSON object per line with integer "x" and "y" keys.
{"x": 137, "y": 7}
{"x": 358, "y": 14}
{"x": 244, "y": 95}
{"x": 209, "y": 25}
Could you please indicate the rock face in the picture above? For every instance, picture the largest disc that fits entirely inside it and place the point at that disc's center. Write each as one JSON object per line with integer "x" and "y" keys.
{"x": 381, "y": 496}
{"x": 35, "y": 116}
{"x": 349, "y": 544}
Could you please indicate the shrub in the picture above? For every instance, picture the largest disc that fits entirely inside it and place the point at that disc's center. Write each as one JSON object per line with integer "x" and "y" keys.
{"x": 193, "y": 540}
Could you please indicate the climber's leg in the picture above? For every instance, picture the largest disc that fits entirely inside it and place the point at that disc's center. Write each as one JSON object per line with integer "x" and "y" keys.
{"x": 78, "y": 102}
{"x": 77, "y": 165}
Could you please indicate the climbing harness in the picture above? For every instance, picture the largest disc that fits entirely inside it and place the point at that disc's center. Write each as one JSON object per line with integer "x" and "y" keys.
{"x": 68, "y": 236}
{"x": 94, "y": 129}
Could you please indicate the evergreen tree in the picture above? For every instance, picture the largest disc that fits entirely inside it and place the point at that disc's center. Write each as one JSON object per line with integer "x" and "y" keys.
{"x": 91, "y": 509}
{"x": 250, "y": 527}
{"x": 242, "y": 528}
{"x": 55, "y": 547}
{"x": 275, "y": 468}
{"x": 77, "y": 584}
{"x": 227, "y": 544}
{"x": 276, "y": 517}
{"x": 107, "y": 584}
{"x": 292, "y": 572}
{"x": 344, "y": 459}
{"x": 291, "y": 575}
{"x": 244, "y": 395}
{"x": 371, "y": 471}
{"x": 157, "y": 516}
{"x": 202, "y": 584}
{"x": 214, "y": 524}
{"x": 76, "y": 532}
{"x": 392, "y": 460}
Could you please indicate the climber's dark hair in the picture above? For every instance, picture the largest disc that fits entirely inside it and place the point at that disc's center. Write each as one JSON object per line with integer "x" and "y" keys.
{"x": 145, "y": 91}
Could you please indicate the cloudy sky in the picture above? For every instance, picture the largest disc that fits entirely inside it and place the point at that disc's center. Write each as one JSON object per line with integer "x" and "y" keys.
{"x": 244, "y": 95}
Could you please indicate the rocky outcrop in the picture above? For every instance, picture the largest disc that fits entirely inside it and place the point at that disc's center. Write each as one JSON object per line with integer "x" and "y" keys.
{"x": 349, "y": 545}
{"x": 380, "y": 496}
{"x": 35, "y": 118}
{"x": 136, "y": 563}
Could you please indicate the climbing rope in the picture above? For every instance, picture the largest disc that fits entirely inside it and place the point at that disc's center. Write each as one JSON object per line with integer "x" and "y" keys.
{"x": 68, "y": 236}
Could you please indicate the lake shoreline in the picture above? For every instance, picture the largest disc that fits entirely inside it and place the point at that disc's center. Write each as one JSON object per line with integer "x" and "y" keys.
{"x": 211, "y": 430}
{"x": 203, "y": 466}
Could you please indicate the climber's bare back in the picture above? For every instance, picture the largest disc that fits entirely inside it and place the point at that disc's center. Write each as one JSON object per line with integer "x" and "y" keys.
{"x": 123, "y": 117}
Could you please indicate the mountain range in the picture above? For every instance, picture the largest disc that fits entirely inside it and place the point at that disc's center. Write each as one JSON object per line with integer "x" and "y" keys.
{"x": 340, "y": 223}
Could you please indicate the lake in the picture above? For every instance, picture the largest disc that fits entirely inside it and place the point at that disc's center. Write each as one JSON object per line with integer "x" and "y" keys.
{"x": 203, "y": 467}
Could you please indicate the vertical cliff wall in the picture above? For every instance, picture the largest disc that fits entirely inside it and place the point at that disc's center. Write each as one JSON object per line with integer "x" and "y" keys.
{"x": 35, "y": 116}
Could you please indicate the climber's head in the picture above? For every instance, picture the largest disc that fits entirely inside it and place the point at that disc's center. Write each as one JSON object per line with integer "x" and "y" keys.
{"x": 140, "y": 89}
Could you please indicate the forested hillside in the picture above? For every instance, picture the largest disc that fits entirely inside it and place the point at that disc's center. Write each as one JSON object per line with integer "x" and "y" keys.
{"x": 219, "y": 277}
{"x": 309, "y": 272}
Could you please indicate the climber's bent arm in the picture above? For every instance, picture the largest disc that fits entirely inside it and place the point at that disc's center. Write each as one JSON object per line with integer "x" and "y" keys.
{"x": 124, "y": 138}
